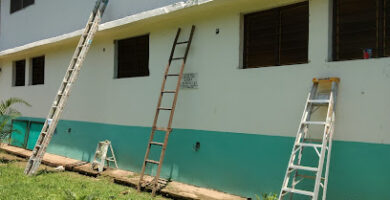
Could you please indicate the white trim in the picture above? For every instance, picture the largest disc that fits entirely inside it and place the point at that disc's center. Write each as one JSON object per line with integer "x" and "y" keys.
{"x": 109, "y": 25}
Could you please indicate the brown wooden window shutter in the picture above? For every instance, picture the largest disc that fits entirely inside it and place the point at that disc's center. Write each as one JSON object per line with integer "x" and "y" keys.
{"x": 19, "y": 4}
{"x": 16, "y": 5}
{"x": 38, "y": 71}
{"x": 20, "y": 73}
{"x": 133, "y": 57}
{"x": 276, "y": 37}
{"x": 386, "y": 33}
{"x": 360, "y": 25}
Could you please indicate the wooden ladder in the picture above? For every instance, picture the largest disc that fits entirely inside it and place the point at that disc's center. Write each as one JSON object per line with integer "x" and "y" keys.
{"x": 65, "y": 88}
{"x": 154, "y": 183}
{"x": 301, "y": 173}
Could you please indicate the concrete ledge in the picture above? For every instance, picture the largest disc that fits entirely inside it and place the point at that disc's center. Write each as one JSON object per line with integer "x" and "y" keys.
{"x": 172, "y": 189}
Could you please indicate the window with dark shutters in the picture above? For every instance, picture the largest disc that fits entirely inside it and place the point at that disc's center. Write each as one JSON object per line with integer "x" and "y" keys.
{"x": 360, "y": 26}
{"x": 19, "y": 73}
{"x": 276, "y": 37}
{"x": 133, "y": 57}
{"x": 38, "y": 71}
{"x": 19, "y": 4}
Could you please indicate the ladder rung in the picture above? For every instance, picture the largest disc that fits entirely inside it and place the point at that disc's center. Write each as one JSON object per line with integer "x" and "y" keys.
{"x": 309, "y": 145}
{"x": 184, "y": 42}
{"x": 313, "y": 140}
{"x": 313, "y": 169}
{"x": 152, "y": 161}
{"x": 179, "y": 58}
{"x": 157, "y": 143}
{"x": 169, "y": 91}
{"x": 314, "y": 123}
{"x": 319, "y": 101}
{"x": 161, "y": 108}
{"x": 173, "y": 75}
{"x": 160, "y": 129}
{"x": 303, "y": 192}
{"x": 309, "y": 177}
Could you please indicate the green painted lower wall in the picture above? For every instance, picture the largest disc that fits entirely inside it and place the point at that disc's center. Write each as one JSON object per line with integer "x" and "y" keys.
{"x": 242, "y": 164}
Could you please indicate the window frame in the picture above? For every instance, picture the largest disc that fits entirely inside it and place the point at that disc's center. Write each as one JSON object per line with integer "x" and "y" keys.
{"x": 277, "y": 51}
{"x": 117, "y": 62}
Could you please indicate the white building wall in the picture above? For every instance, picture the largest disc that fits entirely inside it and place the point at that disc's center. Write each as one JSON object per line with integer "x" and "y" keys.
{"x": 49, "y": 18}
{"x": 266, "y": 101}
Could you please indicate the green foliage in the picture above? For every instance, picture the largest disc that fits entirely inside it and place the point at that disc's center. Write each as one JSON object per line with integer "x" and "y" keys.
{"x": 60, "y": 186}
{"x": 270, "y": 196}
{"x": 7, "y": 113}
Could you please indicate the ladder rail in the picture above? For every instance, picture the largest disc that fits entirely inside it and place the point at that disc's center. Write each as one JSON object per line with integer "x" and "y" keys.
{"x": 162, "y": 155}
{"x": 297, "y": 139}
{"x": 156, "y": 116}
{"x": 325, "y": 141}
{"x": 180, "y": 77}
{"x": 328, "y": 161}
{"x": 61, "y": 97}
{"x": 168, "y": 129}
{"x": 304, "y": 129}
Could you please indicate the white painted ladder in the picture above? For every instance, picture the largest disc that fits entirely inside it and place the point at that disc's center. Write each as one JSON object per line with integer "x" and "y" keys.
{"x": 323, "y": 93}
{"x": 65, "y": 88}
{"x": 101, "y": 156}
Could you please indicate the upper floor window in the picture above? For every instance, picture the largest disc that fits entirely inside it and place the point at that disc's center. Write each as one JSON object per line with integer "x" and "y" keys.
{"x": 132, "y": 57}
{"x": 276, "y": 37}
{"x": 19, "y": 4}
{"x": 19, "y": 73}
{"x": 38, "y": 70}
{"x": 359, "y": 29}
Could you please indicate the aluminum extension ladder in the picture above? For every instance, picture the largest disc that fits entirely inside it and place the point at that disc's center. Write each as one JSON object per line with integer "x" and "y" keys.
{"x": 305, "y": 177}
{"x": 65, "y": 88}
{"x": 154, "y": 184}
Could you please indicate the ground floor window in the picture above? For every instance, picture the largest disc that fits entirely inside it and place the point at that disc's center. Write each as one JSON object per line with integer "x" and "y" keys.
{"x": 38, "y": 70}
{"x": 19, "y": 73}
{"x": 360, "y": 29}
{"x": 132, "y": 57}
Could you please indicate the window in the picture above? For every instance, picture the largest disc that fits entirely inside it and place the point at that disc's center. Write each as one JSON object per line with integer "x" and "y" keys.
{"x": 38, "y": 71}
{"x": 133, "y": 57}
{"x": 276, "y": 37}
{"x": 19, "y": 73}
{"x": 360, "y": 26}
{"x": 19, "y": 4}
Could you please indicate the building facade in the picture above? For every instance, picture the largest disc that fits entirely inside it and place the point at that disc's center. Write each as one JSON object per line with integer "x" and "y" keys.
{"x": 254, "y": 61}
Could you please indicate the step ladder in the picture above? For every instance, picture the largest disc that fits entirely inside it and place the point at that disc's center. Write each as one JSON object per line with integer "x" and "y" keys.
{"x": 101, "y": 156}
{"x": 65, "y": 88}
{"x": 154, "y": 184}
{"x": 307, "y": 143}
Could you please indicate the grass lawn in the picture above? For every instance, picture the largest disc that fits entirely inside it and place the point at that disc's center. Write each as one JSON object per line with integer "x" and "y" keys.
{"x": 60, "y": 185}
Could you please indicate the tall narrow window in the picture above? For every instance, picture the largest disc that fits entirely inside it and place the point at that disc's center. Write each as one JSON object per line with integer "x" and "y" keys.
{"x": 133, "y": 57}
{"x": 276, "y": 37}
{"x": 360, "y": 29}
{"x": 19, "y": 4}
{"x": 19, "y": 73}
{"x": 38, "y": 71}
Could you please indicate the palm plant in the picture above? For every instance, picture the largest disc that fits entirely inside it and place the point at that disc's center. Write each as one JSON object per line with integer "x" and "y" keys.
{"x": 7, "y": 113}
